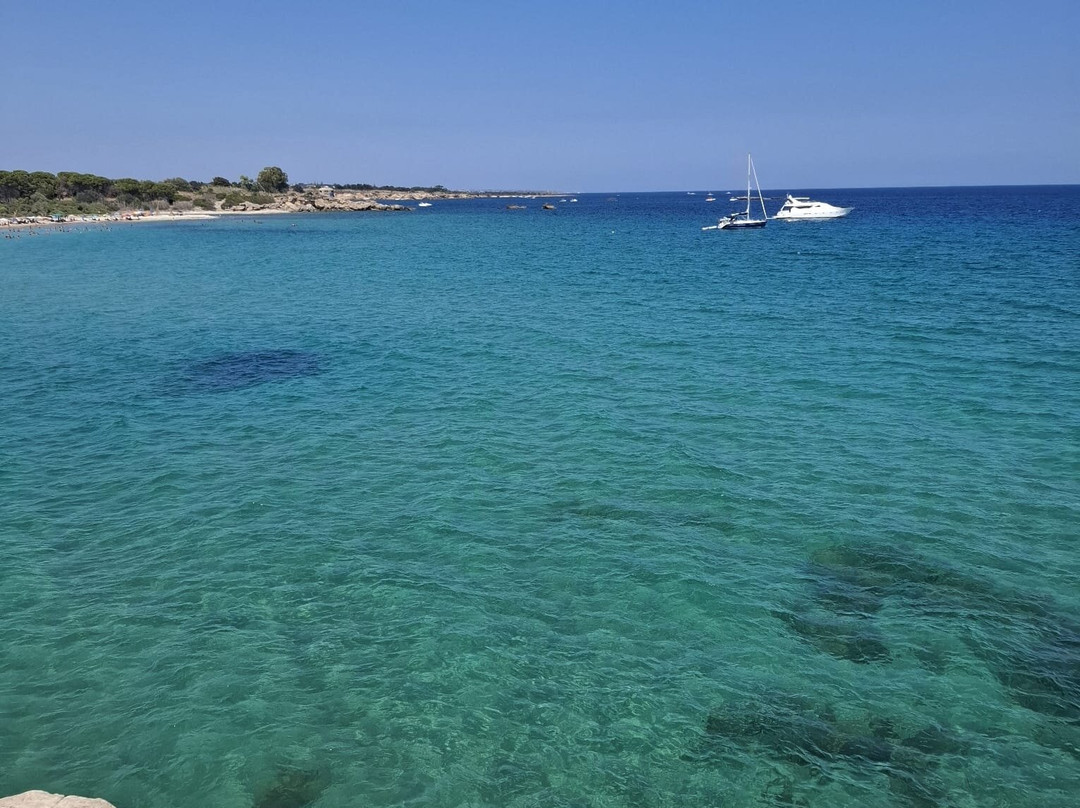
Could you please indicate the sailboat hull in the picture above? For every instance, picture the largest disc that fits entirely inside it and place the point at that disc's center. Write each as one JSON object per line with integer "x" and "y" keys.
{"x": 742, "y": 224}
{"x": 742, "y": 220}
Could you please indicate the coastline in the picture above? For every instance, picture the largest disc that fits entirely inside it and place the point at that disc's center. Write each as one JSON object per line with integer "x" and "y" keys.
{"x": 29, "y": 223}
{"x": 133, "y": 217}
{"x": 293, "y": 202}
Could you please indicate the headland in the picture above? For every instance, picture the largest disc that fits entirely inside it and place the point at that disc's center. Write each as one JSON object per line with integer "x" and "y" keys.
{"x": 38, "y": 198}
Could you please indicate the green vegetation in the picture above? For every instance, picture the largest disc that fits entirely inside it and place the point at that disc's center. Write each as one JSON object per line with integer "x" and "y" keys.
{"x": 232, "y": 199}
{"x": 39, "y": 193}
{"x": 273, "y": 179}
{"x": 363, "y": 186}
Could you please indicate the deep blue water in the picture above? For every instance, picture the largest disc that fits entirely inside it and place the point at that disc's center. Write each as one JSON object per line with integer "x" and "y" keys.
{"x": 478, "y": 507}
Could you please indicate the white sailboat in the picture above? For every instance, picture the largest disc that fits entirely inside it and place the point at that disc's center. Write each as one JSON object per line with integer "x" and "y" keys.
{"x": 742, "y": 219}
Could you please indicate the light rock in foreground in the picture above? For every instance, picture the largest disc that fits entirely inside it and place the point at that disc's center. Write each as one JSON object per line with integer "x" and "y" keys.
{"x": 43, "y": 799}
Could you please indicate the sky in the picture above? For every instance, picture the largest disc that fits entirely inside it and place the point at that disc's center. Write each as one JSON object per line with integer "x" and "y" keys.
{"x": 564, "y": 96}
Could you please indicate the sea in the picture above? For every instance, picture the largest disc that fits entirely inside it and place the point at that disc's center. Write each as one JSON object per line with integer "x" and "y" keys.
{"x": 571, "y": 508}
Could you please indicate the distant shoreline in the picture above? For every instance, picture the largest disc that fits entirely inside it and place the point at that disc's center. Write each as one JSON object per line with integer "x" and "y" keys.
{"x": 45, "y": 222}
{"x": 324, "y": 200}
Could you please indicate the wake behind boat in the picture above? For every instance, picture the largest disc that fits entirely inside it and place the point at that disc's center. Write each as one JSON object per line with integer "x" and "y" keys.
{"x": 742, "y": 219}
{"x": 802, "y": 207}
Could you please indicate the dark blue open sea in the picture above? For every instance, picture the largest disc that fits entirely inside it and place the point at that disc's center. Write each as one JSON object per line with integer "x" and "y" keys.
{"x": 531, "y": 509}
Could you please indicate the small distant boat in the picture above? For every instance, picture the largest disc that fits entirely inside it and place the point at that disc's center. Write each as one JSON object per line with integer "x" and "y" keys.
{"x": 741, "y": 220}
{"x": 424, "y": 205}
{"x": 549, "y": 206}
{"x": 802, "y": 207}
{"x": 710, "y": 198}
{"x": 573, "y": 200}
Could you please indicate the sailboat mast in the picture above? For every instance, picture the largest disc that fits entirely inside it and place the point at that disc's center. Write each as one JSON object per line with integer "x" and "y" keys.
{"x": 748, "y": 164}
{"x": 761, "y": 199}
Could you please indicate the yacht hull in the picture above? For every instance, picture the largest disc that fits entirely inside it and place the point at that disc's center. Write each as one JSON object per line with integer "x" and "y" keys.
{"x": 801, "y": 208}
{"x": 837, "y": 214}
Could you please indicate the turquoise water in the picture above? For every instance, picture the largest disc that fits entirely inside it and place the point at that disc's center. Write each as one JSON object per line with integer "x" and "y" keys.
{"x": 476, "y": 507}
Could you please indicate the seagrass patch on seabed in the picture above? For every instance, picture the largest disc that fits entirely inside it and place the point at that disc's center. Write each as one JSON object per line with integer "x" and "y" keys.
{"x": 237, "y": 371}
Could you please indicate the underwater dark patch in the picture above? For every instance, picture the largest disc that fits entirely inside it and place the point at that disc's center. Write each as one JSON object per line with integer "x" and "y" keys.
{"x": 937, "y": 741}
{"x": 236, "y": 371}
{"x": 292, "y": 788}
{"x": 1044, "y": 678}
{"x": 1031, "y": 647}
{"x": 854, "y": 577}
{"x": 843, "y": 590}
{"x": 851, "y": 639}
{"x": 809, "y": 738}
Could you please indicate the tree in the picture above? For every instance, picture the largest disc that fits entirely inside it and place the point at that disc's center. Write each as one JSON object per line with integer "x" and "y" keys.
{"x": 15, "y": 185}
{"x": 273, "y": 178}
{"x": 179, "y": 183}
{"x": 71, "y": 183}
{"x": 220, "y": 181}
{"x": 163, "y": 190}
{"x": 45, "y": 182}
{"x": 127, "y": 185}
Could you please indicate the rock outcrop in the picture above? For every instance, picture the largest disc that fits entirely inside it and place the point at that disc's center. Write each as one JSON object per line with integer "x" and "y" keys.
{"x": 310, "y": 203}
{"x": 43, "y": 799}
{"x": 305, "y": 202}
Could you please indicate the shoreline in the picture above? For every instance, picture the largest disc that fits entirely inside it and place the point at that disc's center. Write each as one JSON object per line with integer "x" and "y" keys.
{"x": 337, "y": 202}
{"x": 24, "y": 223}
{"x": 324, "y": 199}
{"x": 29, "y": 223}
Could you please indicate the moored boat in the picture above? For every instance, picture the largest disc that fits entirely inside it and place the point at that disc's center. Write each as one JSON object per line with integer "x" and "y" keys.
{"x": 741, "y": 220}
{"x": 802, "y": 207}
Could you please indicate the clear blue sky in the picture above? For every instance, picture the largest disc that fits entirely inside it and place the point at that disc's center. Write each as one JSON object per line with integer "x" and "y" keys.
{"x": 581, "y": 96}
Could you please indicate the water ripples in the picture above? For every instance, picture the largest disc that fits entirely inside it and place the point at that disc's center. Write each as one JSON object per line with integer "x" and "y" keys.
{"x": 481, "y": 509}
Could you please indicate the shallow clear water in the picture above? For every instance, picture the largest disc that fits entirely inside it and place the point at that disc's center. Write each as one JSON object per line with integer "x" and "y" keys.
{"x": 517, "y": 508}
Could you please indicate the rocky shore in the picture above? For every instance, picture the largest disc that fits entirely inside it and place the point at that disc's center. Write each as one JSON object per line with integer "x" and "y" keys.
{"x": 43, "y": 799}
{"x": 311, "y": 202}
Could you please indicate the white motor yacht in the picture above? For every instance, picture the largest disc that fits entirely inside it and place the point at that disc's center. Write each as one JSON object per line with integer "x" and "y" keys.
{"x": 802, "y": 207}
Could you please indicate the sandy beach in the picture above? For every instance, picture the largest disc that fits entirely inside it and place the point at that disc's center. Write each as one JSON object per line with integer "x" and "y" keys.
{"x": 27, "y": 223}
